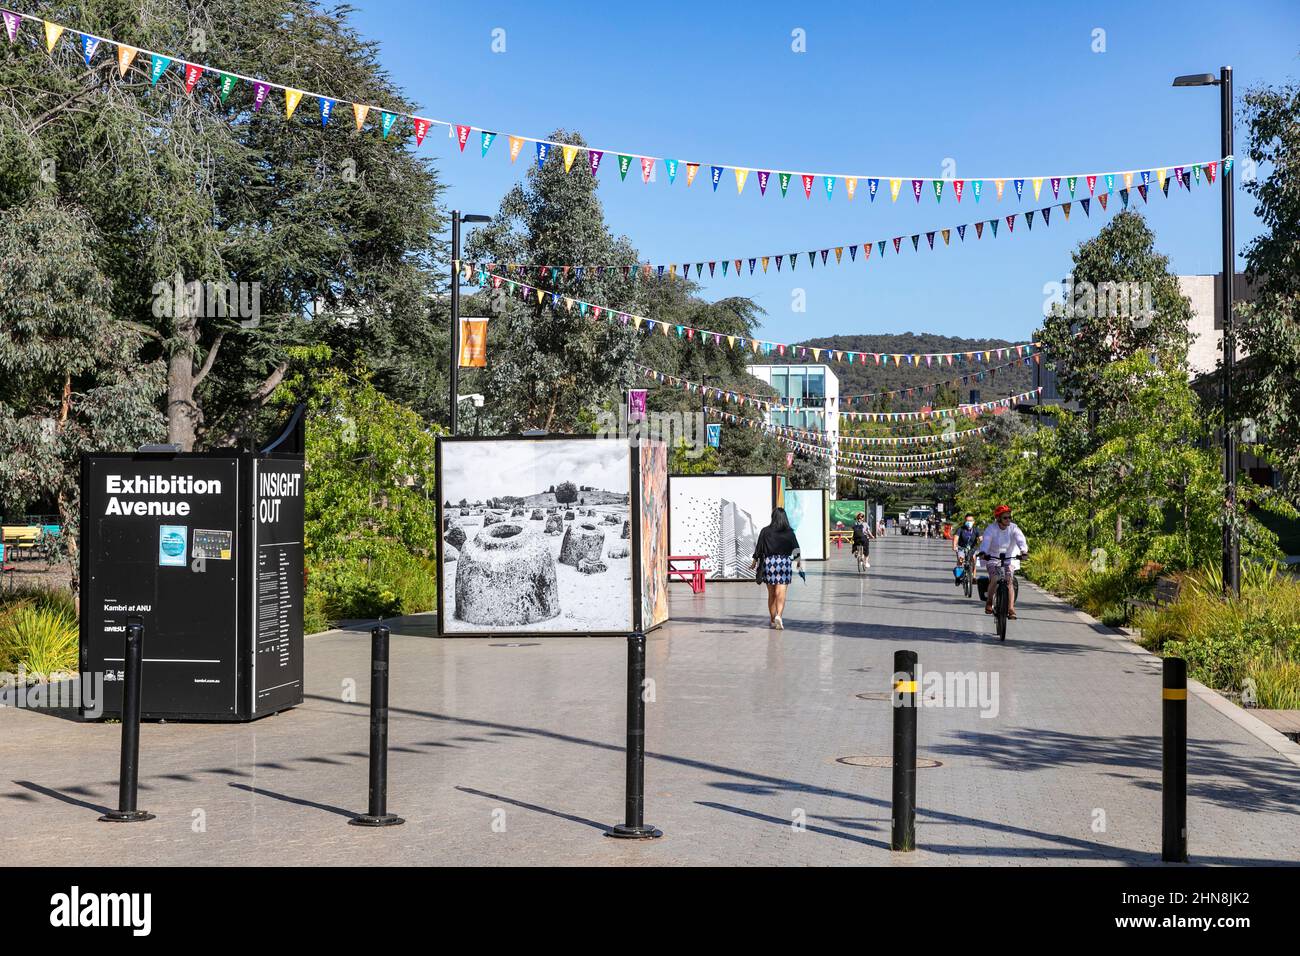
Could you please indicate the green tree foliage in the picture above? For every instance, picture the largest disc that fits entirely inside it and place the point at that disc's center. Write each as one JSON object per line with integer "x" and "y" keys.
{"x": 1269, "y": 326}
{"x": 72, "y": 377}
{"x": 1099, "y": 324}
{"x": 332, "y": 225}
{"x": 370, "y": 501}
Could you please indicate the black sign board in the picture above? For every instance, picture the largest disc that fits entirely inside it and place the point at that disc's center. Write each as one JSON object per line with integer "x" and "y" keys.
{"x": 207, "y": 550}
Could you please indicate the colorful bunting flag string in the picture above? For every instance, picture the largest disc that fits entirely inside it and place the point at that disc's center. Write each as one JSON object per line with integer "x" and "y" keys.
{"x": 932, "y": 413}
{"x": 595, "y": 312}
{"x": 464, "y": 133}
{"x": 737, "y": 265}
{"x": 815, "y": 437}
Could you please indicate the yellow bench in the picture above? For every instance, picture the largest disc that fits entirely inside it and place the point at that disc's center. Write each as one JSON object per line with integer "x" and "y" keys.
{"x": 22, "y": 537}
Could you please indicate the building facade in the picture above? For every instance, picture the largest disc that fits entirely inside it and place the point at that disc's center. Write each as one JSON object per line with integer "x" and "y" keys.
{"x": 810, "y": 400}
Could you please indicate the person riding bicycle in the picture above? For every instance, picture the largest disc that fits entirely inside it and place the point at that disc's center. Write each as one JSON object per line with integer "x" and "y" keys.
{"x": 964, "y": 541}
{"x": 1003, "y": 536}
{"x": 862, "y": 539}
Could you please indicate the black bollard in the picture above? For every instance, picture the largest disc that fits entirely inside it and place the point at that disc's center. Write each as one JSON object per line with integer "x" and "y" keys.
{"x": 129, "y": 773}
{"x": 634, "y": 826}
{"x": 378, "y": 815}
{"x": 1173, "y": 777}
{"x": 903, "y": 816}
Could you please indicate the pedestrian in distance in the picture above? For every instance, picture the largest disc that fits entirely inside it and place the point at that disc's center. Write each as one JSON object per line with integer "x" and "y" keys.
{"x": 775, "y": 557}
{"x": 862, "y": 543}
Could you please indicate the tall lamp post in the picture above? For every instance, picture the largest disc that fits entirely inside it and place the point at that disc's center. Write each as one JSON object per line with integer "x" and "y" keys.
{"x": 1231, "y": 549}
{"x": 456, "y": 219}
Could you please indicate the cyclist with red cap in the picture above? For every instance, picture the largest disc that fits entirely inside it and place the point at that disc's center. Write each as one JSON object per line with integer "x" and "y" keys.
{"x": 1003, "y": 536}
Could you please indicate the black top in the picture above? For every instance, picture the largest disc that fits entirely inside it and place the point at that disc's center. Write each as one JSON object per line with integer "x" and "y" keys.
{"x": 771, "y": 542}
{"x": 861, "y": 535}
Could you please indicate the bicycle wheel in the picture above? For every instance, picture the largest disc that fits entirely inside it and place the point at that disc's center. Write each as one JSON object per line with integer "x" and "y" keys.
{"x": 1000, "y": 610}
{"x": 967, "y": 575}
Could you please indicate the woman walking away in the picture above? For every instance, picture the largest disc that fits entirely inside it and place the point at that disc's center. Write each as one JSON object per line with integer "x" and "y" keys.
{"x": 862, "y": 543}
{"x": 774, "y": 557}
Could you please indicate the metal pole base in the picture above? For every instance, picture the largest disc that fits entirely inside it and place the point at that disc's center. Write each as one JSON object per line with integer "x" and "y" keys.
{"x": 126, "y": 816}
{"x": 366, "y": 820}
{"x": 622, "y": 831}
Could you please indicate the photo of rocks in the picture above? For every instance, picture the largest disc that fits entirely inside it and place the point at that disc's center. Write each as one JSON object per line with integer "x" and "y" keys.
{"x": 536, "y": 536}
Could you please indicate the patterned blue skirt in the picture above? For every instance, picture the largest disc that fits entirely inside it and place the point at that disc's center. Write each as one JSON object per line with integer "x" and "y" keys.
{"x": 777, "y": 569}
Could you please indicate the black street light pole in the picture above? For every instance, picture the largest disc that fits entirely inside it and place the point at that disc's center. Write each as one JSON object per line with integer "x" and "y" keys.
{"x": 456, "y": 220}
{"x": 1231, "y": 545}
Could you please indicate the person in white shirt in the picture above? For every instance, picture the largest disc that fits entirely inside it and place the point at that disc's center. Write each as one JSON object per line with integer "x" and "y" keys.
{"x": 1003, "y": 536}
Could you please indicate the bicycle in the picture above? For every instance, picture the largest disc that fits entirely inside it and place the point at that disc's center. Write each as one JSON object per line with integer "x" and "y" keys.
{"x": 968, "y": 570}
{"x": 1001, "y": 598}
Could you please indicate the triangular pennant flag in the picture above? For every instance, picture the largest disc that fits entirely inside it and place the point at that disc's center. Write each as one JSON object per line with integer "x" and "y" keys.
{"x": 1038, "y": 188}
{"x": 999, "y": 184}
{"x": 593, "y": 160}
{"x": 516, "y": 146}
{"x": 1056, "y": 187}
{"x": 1065, "y": 208}
{"x": 691, "y": 170}
{"x": 359, "y": 113}
{"x": 671, "y": 166}
{"x": 227, "y": 84}
{"x": 1142, "y": 191}
{"x": 853, "y": 252}
{"x": 851, "y": 186}
{"x": 751, "y": 265}
{"x": 89, "y": 45}
{"x": 126, "y": 54}
{"x": 485, "y": 142}
{"x": 993, "y": 224}
{"x": 957, "y": 186}
{"x": 293, "y": 97}
{"x": 52, "y": 33}
{"x": 716, "y": 173}
{"x": 929, "y": 236}
{"x": 765, "y": 261}
{"x": 1210, "y": 170}
{"x": 741, "y": 176}
{"x": 260, "y": 92}
{"x": 916, "y": 188}
{"x": 422, "y": 129}
{"x": 12, "y": 20}
{"x": 938, "y": 190}
{"x": 881, "y": 246}
{"x": 898, "y": 240}
{"x": 570, "y": 154}
{"x": 825, "y": 253}
{"x": 462, "y": 136}
{"x": 326, "y": 110}
{"x": 873, "y": 185}
{"x": 647, "y": 168}
{"x": 807, "y": 185}
{"x": 624, "y": 164}
{"x": 778, "y": 262}
{"x": 894, "y": 186}
{"x": 839, "y": 255}
{"x": 1123, "y": 195}
{"x": 386, "y": 121}
{"x": 1085, "y": 203}
{"x": 830, "y": 185}
{"x": 1011, "y": 223}
{"x": 157, "y": 67}
{"x": 977, "y": 187}
{"x": 946, "y": 233}
{"x": 1101, "y": 198}
{"x": 1029, "y": 218}
{"x": 783, "y": 179}
{"x": 543, "y": 151}
{"x": 961, "y": 232}
{"x": 1020, "y": 189}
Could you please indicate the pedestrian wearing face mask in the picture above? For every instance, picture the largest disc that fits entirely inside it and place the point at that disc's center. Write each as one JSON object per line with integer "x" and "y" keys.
{"x": 965, "y": 542}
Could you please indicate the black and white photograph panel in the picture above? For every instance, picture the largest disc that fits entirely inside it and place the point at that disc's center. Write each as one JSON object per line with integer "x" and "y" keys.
{"x": 536, "y": 536}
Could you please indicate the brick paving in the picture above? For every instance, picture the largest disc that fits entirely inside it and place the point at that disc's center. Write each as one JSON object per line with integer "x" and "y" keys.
{"x": 514, "y": 755}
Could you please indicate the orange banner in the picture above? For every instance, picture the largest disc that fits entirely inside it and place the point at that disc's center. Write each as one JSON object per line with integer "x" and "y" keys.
{"x": 473, "y": 343}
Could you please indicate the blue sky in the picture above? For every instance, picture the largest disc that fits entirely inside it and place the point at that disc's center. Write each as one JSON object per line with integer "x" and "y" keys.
{"x": 1008, "y": 89}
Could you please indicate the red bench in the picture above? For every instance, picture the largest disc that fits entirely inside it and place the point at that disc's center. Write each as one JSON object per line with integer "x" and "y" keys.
{"x": 693, "y": 571}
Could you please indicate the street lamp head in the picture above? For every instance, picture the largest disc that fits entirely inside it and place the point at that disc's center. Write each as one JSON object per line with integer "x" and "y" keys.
{"x": 1196, "y": 79}
{"x": 470, "y": 217}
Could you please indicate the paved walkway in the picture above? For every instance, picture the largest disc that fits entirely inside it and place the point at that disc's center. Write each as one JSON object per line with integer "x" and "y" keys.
{"x": 513, "y": 754}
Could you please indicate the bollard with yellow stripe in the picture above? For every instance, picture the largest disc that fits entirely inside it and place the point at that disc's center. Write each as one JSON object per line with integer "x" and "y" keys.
{"x": 903, "y": 804}
{"x": 1173, "y": 775}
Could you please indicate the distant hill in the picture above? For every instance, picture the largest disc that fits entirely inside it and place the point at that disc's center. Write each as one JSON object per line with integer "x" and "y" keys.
{"x": 858, "y": 379}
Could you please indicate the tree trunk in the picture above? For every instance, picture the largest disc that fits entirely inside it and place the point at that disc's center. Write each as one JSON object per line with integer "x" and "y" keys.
{"x": 182, "y": 413}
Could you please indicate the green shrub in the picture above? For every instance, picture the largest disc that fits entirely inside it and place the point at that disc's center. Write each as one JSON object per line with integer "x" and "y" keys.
{"x": 395, "y": 583}
{"x": 40, "y": 640}
{"x": 1103, "y": 593}
{"x": 1054, "y": 568}
{"x": 1276, "y": 676}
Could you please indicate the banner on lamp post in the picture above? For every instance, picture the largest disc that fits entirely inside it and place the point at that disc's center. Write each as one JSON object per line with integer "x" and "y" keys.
{"x": 473, "y": 343}
{"x": 714, "y": 436}
{"x": 636, "y": 405}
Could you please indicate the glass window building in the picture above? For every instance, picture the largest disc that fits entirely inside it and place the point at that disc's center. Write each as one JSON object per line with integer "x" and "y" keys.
{"x": 810, "y": 396}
